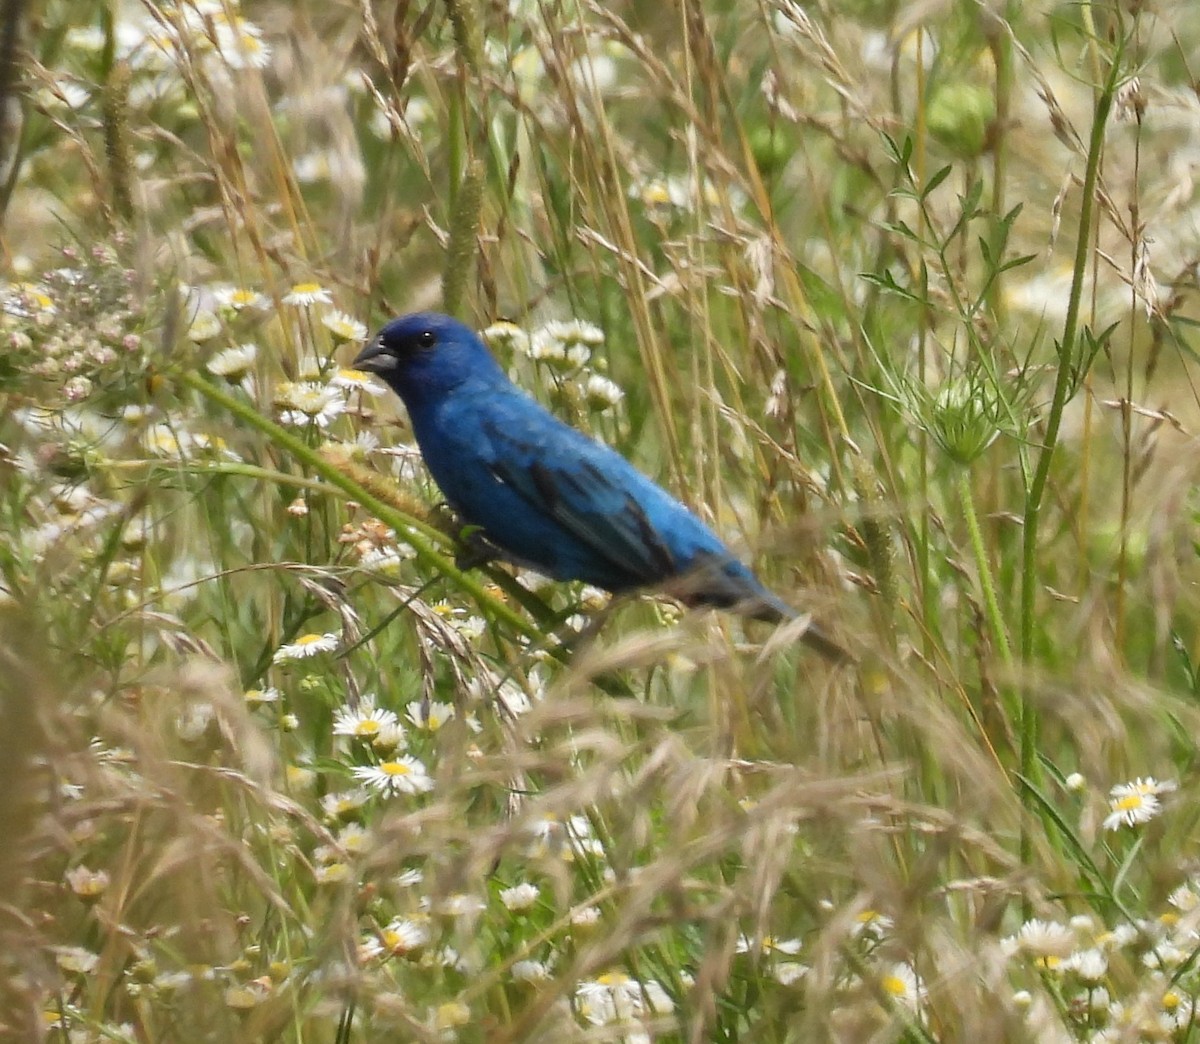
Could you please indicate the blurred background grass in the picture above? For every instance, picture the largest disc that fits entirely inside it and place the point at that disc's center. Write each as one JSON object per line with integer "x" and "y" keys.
{"x": 900, "y": 297}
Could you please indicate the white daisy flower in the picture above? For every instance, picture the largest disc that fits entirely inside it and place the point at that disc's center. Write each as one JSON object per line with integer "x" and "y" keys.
{"x": 472, "y": 628}
{"x": 431, "y": 716}
{"x": 233, "y": 363}
{"x": 300, "y": 777}
{"x": 1089, "y": 965}
{"x": 305, "y": 646}
{"x": 64, "y": 93}
{"x": 661, "y": 192}
{"x": 86, "y": 883}
{"x": 461, "y": 904}
{"x": 366, "y": 722}
{"x": 383, "y": 561}
{"x": 1165, "y": 955}
{"x": 163, "y": 440}
{"x": 408, "y": 878}
{"x": 213, "y": 445}
{"x": 1148, "y": 785}
{"x": 345, "y": 804}
{"x": 519, "y": 897}
{"x": 307, "y": 402}
{"x": 900, "y": 982}
{"x": 1122, "y": 935}
{"x": 586, "y": 917}
{"x": 390, "y": 737}
{"x": 369, "y": 949}
{"x": 76, "y": 959}
{"x": 404, "y": 935}
{"x": 349, "y": 380}
{"x": 136, "y": 414}
{"x": 238, "y": 299}
{"x": 573, "y": 331}
{"x": 507, "y": 335}
{"x": 261, "y": 697}
{"x": 403, "y": 775}
{"x": 569, "y": 840}
{"x": 240, "y": 43}
{"x": 1040, "y": 939}
{"x": 530, "y": 971}
{"x": 85, "y": 38}
{"x": 788, "y": 973}
{"x": 303, "y": 295}
{"x": 344, "y": 327}
{"x": 1130, "y": 807}
{"x": 203, "y": 327}
{"x": 615, "y": 997}
{"x": 365, "y": 442}
{"x": 601, "y": 393}
{"x": 546, "y": 349}
{"x": 1185, "y": 898}
{"x": 331, "y": 873}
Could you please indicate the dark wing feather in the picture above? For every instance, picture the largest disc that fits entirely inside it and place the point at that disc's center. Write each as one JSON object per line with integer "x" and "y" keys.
{"x": 596, "y": 505}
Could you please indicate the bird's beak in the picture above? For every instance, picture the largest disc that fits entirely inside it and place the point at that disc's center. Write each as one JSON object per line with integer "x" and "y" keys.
{"x": 374, "y": 359}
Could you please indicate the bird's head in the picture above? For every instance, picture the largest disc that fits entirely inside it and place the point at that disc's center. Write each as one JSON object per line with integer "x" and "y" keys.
{"x": 425, "y": 355}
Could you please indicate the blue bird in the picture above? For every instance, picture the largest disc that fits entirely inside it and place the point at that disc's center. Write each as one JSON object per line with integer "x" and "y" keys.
{"x": 545, "y": 495}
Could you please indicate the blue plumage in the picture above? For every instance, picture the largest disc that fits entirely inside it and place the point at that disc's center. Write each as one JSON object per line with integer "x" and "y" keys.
{"x": 544, "y": 494}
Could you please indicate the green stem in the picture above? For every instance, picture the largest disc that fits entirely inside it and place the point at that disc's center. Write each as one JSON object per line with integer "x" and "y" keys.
{"x": 991, "y": 604}
{"x": 1062, "y": 386}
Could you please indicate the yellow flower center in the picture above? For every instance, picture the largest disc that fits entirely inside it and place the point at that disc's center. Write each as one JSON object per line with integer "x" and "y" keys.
{"x": 395, "y": 768}
{"x": 656, "y": 193}
{"x": 36, "y": 296}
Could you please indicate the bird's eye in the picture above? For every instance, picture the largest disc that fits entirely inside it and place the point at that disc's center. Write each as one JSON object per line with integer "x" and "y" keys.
{"x": 426, "y": 339}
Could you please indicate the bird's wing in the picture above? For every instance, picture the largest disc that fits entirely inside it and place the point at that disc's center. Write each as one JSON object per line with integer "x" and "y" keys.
{"x": 591, "y": 491}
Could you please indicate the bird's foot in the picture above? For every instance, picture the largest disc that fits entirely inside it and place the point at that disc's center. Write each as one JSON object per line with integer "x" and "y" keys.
{"x": 476, "y": 550}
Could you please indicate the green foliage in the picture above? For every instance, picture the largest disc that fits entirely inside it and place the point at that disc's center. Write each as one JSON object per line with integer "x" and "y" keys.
{"x": 900, "y": 299}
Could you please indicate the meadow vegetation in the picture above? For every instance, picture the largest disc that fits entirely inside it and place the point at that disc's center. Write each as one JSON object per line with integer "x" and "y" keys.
{"x": 899, "y": 297}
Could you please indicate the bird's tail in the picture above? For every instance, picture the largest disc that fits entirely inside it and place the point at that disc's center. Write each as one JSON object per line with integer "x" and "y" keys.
{"x": 772, "y": 609}
{"x": 727, "y": 583}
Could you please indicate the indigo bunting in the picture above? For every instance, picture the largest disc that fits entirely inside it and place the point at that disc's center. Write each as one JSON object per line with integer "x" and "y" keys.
{"x": 545, "y": 495}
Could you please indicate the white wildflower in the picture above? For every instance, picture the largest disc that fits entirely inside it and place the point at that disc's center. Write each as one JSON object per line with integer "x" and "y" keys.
{"x": 305, "y": 646}
{"x": 305, "y": 294}
{"x": 403, "y": 775}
